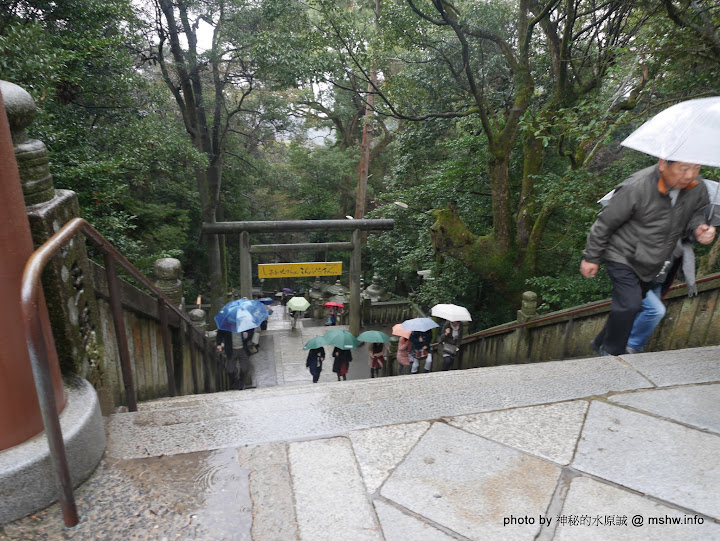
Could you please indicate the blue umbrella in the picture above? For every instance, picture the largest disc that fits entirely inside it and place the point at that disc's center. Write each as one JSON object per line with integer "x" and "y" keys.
{"x": 421, "y": 324}
{"x": 266, "y": 300}
{"x": 241, "y": 315}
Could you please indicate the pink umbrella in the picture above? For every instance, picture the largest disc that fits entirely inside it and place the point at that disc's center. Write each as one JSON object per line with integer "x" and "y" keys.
{"x": 333, "y": 303}
{"x": 398, "y": 330}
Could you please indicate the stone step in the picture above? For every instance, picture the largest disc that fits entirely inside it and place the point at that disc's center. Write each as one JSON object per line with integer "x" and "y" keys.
{"x": 238, "y": 418}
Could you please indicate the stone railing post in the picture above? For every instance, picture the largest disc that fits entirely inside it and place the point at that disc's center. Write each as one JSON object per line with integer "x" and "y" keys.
{"x": 528, "y": 309}
{"x": 527, "y": 312}
{"x": 199, "y": 318}
{"x": 67, "y": 281}
{"x": 168, "y": 274}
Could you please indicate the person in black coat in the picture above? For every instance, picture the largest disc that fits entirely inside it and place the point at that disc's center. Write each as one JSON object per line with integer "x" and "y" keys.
{"x": 237, "y": 356}
{"x": 342, "y": 361}
{"x": 314, "y": 362}
{"x": 420, "y": 350}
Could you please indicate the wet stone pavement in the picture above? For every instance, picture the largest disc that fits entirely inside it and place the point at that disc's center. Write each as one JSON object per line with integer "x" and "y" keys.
{"x": 589, "y": 449}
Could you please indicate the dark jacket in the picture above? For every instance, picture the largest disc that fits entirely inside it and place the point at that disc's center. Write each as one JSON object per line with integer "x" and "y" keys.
{"x": 342, "y": 356}
{"x": 224, "y": 338}
{"x": 420, "y": 343}
{"x": 640, "y": 228}
{"x": 448, "y": 339}
{"x": 315, "y": 359}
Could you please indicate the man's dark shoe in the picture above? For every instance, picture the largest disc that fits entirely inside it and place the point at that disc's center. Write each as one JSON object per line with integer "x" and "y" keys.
{"x": 598, "y": 349}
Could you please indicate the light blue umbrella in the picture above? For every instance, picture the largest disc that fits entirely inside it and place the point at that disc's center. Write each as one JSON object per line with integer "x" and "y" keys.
{"x": 421, "y": 324}
{"x": 241, "y": 315}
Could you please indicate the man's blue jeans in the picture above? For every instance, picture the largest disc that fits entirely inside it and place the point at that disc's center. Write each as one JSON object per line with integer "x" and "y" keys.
{"x": 653, "y": 310}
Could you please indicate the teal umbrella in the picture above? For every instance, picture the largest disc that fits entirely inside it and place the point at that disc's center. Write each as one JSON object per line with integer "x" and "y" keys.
{"x": 317, "y": 342}
{"x": 373, "y": 336}
{"x": 341, "y": 338}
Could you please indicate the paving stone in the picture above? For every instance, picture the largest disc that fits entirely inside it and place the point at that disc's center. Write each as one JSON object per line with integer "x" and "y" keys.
{"x": 678, "y": 367}
{"x": 196, "y": 496}
{"x": 398, "y": 526}
{"x": 379, "y": 450}
{"x": 331, "y": 502}
{"x": 653, "y": 456}
{"x": 273, "y": 511}
{"x": 695, "y": 406}
{"x": 601, "y": 504}
{"x": 471, "y": 485}
{"x": 546, "y": 431}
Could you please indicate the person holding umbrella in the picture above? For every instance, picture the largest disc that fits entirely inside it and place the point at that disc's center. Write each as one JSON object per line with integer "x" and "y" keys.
{"x": 235, "y": 322}
{"x": 237, "y": 356}
{"x": 451, "y": 334}
{"x": 333, "y": 312}
{"x": 451, "y": 337}
{"x": 403, "y": 349}
{"x": 376, "y": 350}
{"x": 635, "y": 235}
{"x": 341, "y": 364}
{"x": 314, "y": 361}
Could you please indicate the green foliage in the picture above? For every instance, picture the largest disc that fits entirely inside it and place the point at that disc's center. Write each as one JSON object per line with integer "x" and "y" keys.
{"x": 116, "y": 136}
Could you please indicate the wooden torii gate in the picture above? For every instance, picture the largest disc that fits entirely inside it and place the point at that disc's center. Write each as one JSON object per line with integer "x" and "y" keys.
{"x": 355, "y": 246}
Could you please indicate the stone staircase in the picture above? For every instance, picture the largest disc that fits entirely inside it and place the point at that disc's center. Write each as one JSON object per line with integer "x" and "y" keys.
{"x": 579, "y": 449}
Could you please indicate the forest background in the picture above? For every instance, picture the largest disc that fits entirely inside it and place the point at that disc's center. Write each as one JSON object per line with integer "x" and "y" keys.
{"x": 497, "y": 122}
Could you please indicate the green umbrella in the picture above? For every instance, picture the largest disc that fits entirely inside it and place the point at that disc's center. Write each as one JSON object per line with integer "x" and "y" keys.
{"x": 373, "y": 336}
{"x": 317, "y": 342}
{"x": 341, "y": 338}
{"x": 298, "y": 304}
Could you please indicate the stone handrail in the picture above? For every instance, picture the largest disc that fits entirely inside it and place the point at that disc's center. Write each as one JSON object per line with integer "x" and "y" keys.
{"x": 566, "y": 334}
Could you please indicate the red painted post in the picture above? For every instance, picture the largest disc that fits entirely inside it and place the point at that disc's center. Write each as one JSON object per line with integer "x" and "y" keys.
{"x": 20, "y": 417}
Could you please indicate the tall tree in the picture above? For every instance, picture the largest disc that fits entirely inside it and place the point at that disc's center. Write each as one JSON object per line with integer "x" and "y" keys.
{"x": 509, "y": 69}
{"x": 210, "y": 83}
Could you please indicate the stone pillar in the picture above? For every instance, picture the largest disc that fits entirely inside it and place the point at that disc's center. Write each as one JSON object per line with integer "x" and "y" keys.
{"x": 20, "y": 417}
{"x": 528, "y": 309}
{"x": 199, "y": 318}
{"x": 67, "y": 280}
{"x": 245, "y": 266}
{"x": 527, "y": 312}
{"x": 168, "y": 274}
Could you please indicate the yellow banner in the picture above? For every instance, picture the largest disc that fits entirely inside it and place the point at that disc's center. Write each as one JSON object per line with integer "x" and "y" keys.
{"x": 282, "y": 270}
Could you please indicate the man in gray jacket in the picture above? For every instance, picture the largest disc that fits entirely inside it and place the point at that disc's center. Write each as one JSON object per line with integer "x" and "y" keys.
{"x": 636, "y": 233}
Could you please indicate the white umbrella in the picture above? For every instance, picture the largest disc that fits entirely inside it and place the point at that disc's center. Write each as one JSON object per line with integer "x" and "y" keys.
{"x": 451, "y": 312}
{"x": 686, "y": 132}
{"x": 299, "y": 304}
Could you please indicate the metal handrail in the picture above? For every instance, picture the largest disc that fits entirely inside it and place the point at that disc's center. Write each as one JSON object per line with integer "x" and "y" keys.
{"x": 30, "y": 298}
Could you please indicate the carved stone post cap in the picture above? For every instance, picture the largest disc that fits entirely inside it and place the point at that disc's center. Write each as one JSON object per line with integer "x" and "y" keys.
{"x": 529, "y": 296}
{"x": 167, "y": 268}
{"x": 20, "y": 109}
{"x": 197, "y": 316}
